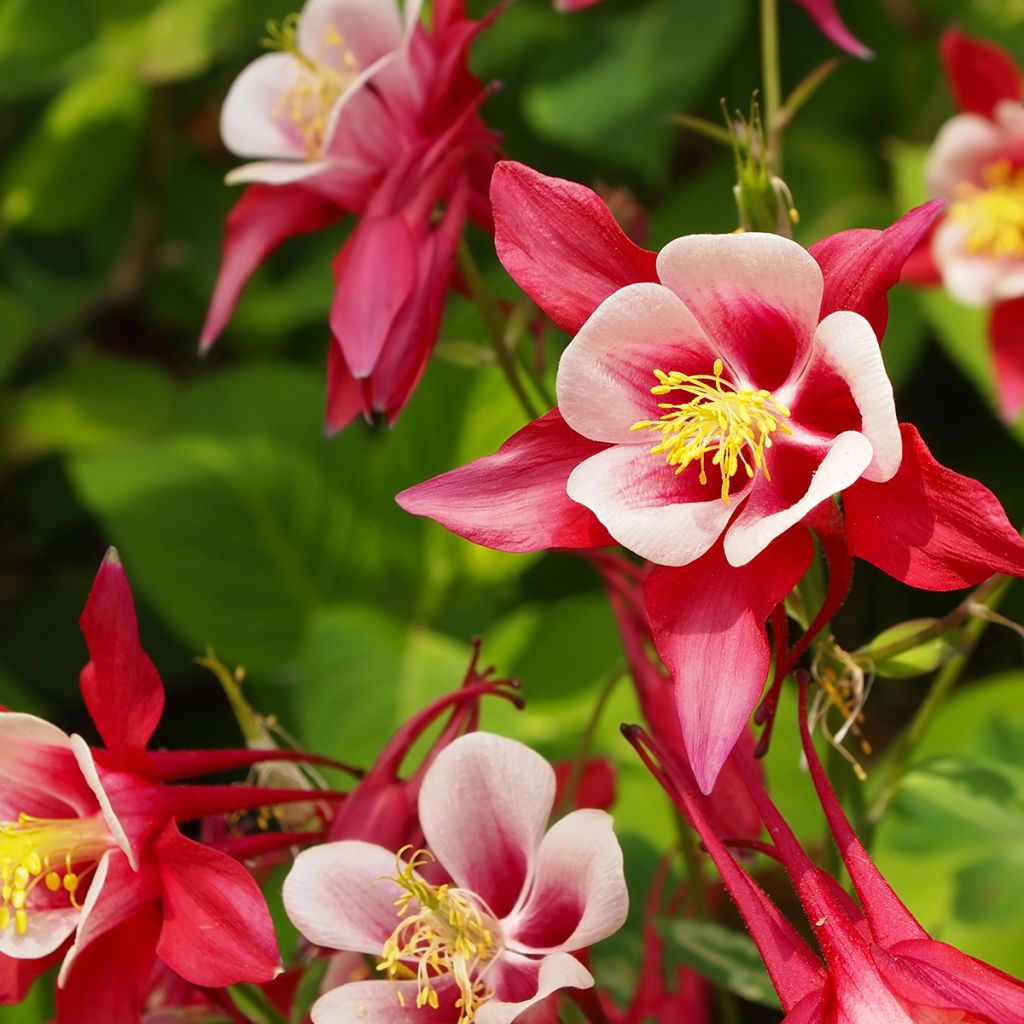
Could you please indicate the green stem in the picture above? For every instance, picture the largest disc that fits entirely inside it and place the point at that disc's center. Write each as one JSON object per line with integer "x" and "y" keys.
{"x": 492, "y": 319}
{"x": 943, "y": 683}
{"x": 254, "y": 1005}
{"x": 772, "y": 76}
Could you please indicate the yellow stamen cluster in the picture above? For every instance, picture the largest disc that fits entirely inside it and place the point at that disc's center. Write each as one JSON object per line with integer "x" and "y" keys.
{"x": 735, "y": 423}
{"x": 59, "y": 853}
{"x": 449, "y": 934}
{"x": 993, "y": 215}
{"x": 308, "y": 102}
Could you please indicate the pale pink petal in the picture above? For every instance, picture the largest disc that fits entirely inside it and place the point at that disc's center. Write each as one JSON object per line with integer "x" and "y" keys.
{"x": 964, "y": 145}
{"x": 668, "y": 518}
{"x": 383, "y": 1002}
{"x": 252, "y": 121}
{"x": 368, "y": 29}
{"x": 341, "y": 895}
{"x": 46, "y": 931}
{"x": 846, "y": 345}
{"x": 38, "y": 773}
{"x": 83, "y": 755}
{"x": 578, "y": 895}
{"x": 756, "y": 295}
{"x": 847, "y": 458}
{"x": 606, "y": 374}
{"x": 975, "y": 280}
{"x": 483, "y": 806}
{"x": 276, "y": 172}
{"x": 519, "y": 982}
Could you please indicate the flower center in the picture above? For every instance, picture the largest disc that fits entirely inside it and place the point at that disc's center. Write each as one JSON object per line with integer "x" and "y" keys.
{"x": 450, "y": 934}
{"x": 58, "y": 852}
{"x": 734, "y": 423}
{"x": 307, "y": 103}
{"x": 993, "y": 215}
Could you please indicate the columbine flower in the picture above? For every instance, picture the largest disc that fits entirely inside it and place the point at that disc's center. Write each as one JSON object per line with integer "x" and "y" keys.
{"x": 361, "y": 110}
{"x": 880, "y": 965}
{"x": 715, "y": 396}
{"x": 488, "y": 929}
{"x": 977, "y": 165}
{"x": 91, "y": 859}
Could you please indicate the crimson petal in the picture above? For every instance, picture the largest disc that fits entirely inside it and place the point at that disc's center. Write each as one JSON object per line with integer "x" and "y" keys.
{"x": 1006, "y": 331}
{"x": 980, "y": 74}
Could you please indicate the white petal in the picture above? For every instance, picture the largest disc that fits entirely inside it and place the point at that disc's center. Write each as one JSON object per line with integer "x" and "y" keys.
{"x": 483, "y": 806}
{"x": 667, "y": 518}
{"x": 341, "y": 895}
{"x": 83, "y": 755}
{"x": 845, "y": 462}
{"x": 963, "y": 146}
{"x": 519, "y": 983}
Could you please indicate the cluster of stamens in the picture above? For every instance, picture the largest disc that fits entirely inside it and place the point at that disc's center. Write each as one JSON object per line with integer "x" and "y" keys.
{"x": 308, "y": 101}
{"x": 443, "y": 932}
{"x": 736, "y": 424}
{"x": 993, "y": 215}
{"x": 56, "y": 853}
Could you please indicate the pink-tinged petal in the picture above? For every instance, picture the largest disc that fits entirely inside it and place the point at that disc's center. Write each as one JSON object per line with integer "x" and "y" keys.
{"x": 515, "y": 500}
{"x": 861, "y": 265}
{"x": 1006, "y": 331}
{"x": 18, "y": 976}
{"x": 46, "y": 931}
{"x": 606, "y": 374}
{"x": 368, "y": 29}
{"x": 340, "y": 895}
{"x": 708, "y": 621}
{"x": 561, "y": 244}
{"x": 930, "y": 527}
{"x": 260, "y": 221}
{"x": 273, "y": 172}
{"x": 116, "y": 893}
{"x": 519, "y": 982}
{"x": 345, "y": 400}
{"x": 217, "y": 930}
{"x": 974, "y": 279}
{"x": 38, "y": 772}
{"x": 665, "y": 517}
{"x": 757, "y": 297}
{"x": 120, "y": 685}
{"x": 578, "y": 895}
{"x": 845, "y": 345}
{"x": 921, "y": 270}
{"x": 112, "y": 977}
{"x": 980, "y": 74}
{"x": 975, "y": 988}
{"x": 377, "y": 273}
{"x": 846, "y": 460}
{"x": 385, "y": 1002}
{"x": 483, "y": 806}
{"x": 963, "y": 146}
{"x": 827, "y": 19}
{"x": 87, "y": 765}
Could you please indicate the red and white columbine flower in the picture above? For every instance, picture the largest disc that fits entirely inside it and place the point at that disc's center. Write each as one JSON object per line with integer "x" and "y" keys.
{"x": 485, "y": 925}
{"x": 715, "y": 396}
{"x": 361, "y": 110}
{"x": 977, "y": 165}
{"x": 92, "y": 863}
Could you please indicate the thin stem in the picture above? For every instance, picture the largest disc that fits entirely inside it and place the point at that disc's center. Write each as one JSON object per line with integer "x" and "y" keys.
{"x": 943, "y": 683}
{"x": 492, "y": 319}
{"x": 772, "y": 75}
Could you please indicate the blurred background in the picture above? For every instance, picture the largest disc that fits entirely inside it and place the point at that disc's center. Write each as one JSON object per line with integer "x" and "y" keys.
{"x": 244, "y": 531}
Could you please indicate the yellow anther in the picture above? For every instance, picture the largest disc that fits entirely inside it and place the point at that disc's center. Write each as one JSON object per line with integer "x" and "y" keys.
{"x": 736, "y": 424}
{"x": 53, "y": 881}
{"x": 21, "y": 877}
{"x": 447, "y": 932}
{"x": 21, "y": 922}
{"x": 18, "y": 899}
{"x": 992, "y": 215}
{"x": 5, "y": 918}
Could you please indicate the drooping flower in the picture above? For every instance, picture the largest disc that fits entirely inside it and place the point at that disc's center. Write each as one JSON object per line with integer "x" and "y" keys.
{"x": 715, "y": 396}
{"x": 91, "y": 858}
{"x": 977, "y": 165}
{"x": 487, "y": 929}
{"x": 361, "y": 110}
{"x": 879, "y": 963}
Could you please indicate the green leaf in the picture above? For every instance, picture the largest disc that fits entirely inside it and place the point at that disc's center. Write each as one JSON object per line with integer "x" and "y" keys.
{"x": 36, "y": 52}
{"x": 182, "y": 38}
{"x": 81, "y": 151}
{"x": 15, "y": 321}
{"x": 726, "y": 957}
{"x": 640, "y": 61}
{"x": 920, "y": 660}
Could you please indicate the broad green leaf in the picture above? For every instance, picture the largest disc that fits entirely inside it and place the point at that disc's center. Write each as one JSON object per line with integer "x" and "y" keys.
{"x": 37, "y": 52}
{"x": 88, "y": 137}
{"x": 726, "y": 957}
{"x": 182, "y": 38}
{"x": 917, "y": 661}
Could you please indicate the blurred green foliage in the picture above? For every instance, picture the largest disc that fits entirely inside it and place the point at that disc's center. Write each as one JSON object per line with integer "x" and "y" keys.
{"x": 243, "y": 529}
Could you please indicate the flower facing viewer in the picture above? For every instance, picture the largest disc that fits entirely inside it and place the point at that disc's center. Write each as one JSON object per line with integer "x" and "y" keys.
{"x": 487, "y": 929}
